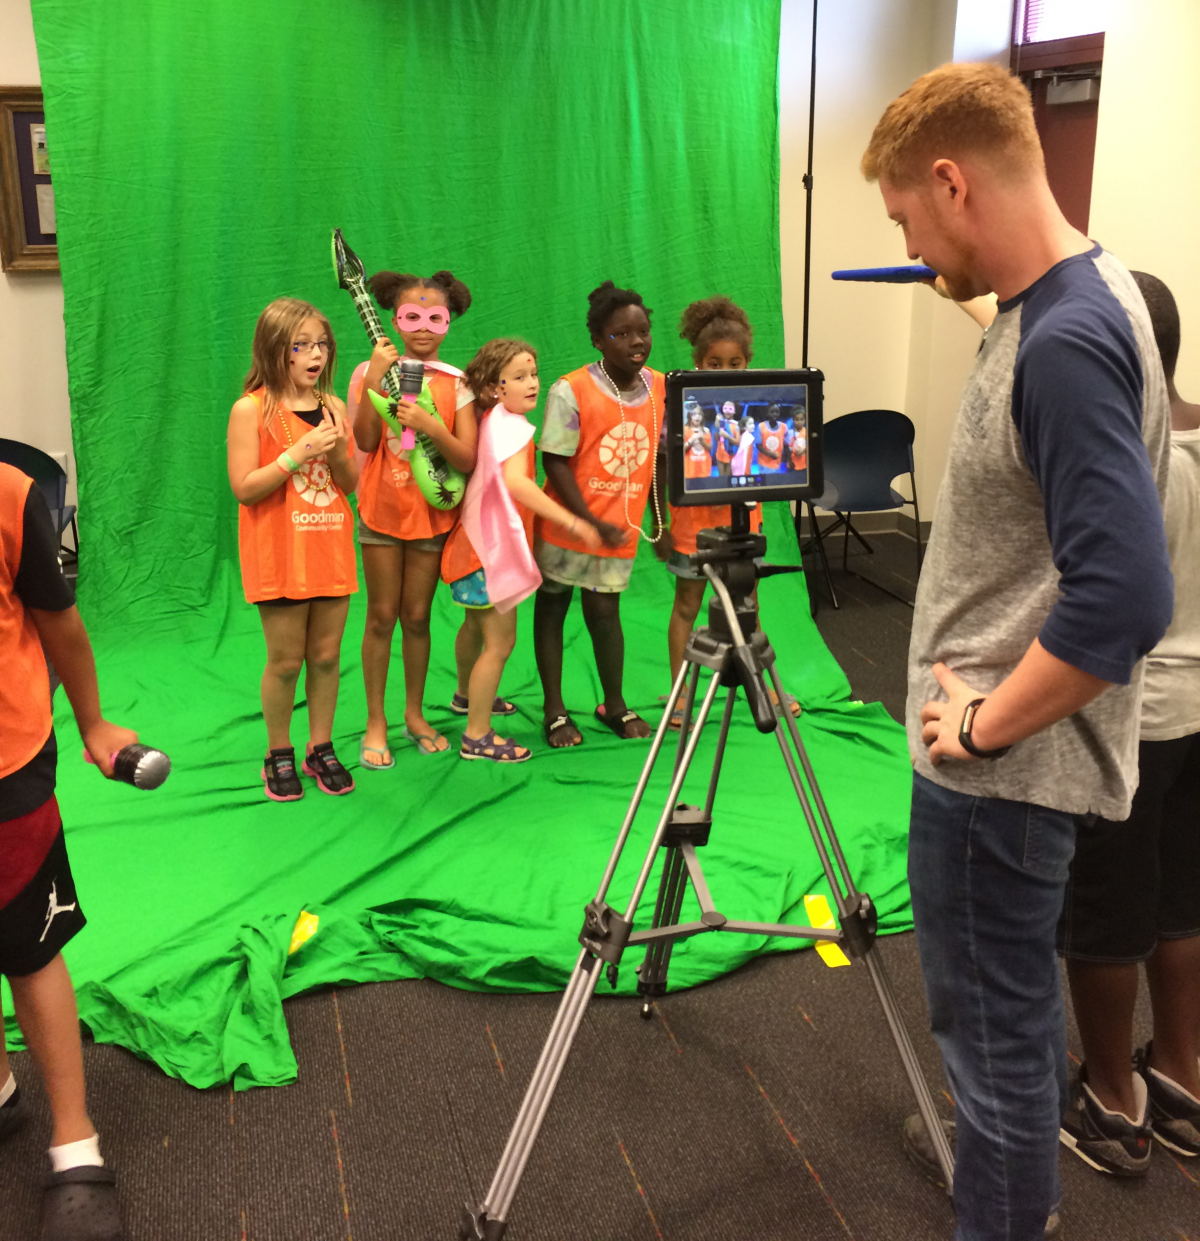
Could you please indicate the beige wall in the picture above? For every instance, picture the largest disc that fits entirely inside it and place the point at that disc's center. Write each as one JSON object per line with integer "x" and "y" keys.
{"x": 33, "y": 365}
{"x": 880, "y": 346}
{"x": 1146, "y": 184}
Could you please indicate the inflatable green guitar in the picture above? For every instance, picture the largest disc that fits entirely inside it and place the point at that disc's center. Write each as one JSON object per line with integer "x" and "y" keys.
{"x": 439, "y": 482}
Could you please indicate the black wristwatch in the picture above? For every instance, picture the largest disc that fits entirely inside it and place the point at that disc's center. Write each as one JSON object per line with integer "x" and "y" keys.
{"x": 964, "y": 734}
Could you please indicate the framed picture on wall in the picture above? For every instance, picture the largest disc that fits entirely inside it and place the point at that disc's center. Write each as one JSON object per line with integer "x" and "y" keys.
{"x": 28, "y": 237}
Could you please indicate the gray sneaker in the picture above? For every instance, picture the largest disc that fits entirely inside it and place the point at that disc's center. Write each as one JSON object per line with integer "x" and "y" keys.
{"x": 919, "y": 1148}
{"x": 1174, "y": 1114}
{"x": 1106, "y": 1141}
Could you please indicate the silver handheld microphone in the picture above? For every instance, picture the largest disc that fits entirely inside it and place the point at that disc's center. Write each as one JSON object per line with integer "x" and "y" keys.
{"x": 139, "y": 765}
{"x": 412, "y": 376}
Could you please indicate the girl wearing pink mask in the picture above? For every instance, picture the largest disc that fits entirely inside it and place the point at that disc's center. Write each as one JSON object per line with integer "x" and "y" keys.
{"x": 401, "y": 535}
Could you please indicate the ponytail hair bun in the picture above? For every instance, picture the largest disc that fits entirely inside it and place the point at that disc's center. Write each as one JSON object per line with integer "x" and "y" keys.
{"x": 605, "y": 300}
{"x": 712, "y": 319}
{"x": 387, "y": 286}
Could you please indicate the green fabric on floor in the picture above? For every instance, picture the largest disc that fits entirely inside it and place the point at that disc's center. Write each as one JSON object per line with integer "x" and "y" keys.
{"x": 469, "y": 873}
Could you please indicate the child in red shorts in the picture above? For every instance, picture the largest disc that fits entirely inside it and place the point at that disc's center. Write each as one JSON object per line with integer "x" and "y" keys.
{"x": 39, "y": 910}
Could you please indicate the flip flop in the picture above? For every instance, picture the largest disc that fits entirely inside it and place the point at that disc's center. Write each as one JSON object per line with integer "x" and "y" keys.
{"x": 500, "y": 706}
{"x": 617, "y": 727}
{"x": 790, "y": 701}
{"x": 364, "y": 750}
{"x": 556, "y": 725}
{"x": 419, "y": 740}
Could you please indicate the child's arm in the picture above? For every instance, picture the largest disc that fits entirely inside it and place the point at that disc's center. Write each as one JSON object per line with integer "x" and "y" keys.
{"x": 250, "y": 481}
{"x": 457, "y": 446}
{"x": 558, "y": 471}
{"x": 368, "y": 426}
{"x": 342, "y": 462}
{"x": 67, "y": 646}
{"x": 525, "y": 491}
{"x": 663, "y": 543}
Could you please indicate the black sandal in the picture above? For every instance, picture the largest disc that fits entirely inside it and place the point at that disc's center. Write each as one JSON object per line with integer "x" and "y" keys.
{"x": 617, "y": 727}
{"x": 553, "y": 728}
{"x": 279, "y": 775}
{"x": 326, "y": 768}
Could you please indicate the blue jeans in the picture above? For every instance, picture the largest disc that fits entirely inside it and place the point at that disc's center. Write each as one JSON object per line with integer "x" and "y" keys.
{"x": 987, "y": 879}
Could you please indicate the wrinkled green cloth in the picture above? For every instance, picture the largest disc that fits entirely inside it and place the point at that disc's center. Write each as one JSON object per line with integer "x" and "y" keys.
{"x": 544, "y": 146}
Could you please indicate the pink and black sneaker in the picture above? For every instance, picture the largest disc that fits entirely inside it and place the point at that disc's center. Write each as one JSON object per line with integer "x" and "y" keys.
{"x": 326, "y": 768}
{"x": 279, "y": 776}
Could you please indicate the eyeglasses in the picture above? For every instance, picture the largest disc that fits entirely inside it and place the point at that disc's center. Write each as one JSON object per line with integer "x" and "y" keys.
{"x": 624, "y": 336}
{"x": 307, "y": 346}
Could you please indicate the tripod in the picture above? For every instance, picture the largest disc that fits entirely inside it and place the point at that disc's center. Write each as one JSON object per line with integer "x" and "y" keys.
{"x": 728, "y": 557}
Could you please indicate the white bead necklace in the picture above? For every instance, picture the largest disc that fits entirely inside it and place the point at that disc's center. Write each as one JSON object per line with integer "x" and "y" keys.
{"x": 629, "y": 457}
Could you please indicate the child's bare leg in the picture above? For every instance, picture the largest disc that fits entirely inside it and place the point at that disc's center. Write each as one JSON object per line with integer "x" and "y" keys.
{"x": 322, "y": 657}
{"x": 602, "y": 614}
{"x": 1174, "y": 975}
{"x": 499, "y": 632}
{"x": 467, "y": 646}
{"x": 284, "y": 629}
{"x": 549, "y": 617}
{"x": 688, "y": 597}
{"x": 1103, "y": 996}
{"x": 46, "y": 1013}
{"x": 383, "y": 568}
{"x": 421, "y": 571}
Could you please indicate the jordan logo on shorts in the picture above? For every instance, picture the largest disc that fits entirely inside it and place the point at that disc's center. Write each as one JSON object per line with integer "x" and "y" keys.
{"x": 54, "y": 909}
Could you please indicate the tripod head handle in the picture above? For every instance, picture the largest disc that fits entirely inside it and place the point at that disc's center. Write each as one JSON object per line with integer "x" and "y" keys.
{"x": 761, "y": 707}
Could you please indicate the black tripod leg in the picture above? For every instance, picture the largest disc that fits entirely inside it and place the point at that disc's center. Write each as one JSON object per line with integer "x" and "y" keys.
{"x": 652, "y": 973}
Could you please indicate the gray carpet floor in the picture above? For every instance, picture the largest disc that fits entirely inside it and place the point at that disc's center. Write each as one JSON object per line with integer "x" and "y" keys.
{"x": 765, "y": 1106}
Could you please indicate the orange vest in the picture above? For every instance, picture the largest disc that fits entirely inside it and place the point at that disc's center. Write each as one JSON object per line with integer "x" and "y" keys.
{"x": 298, "y": 542}
{"x": 687, "y": 522}
{"x": 389, "y": 499}
{"x": 770, "y": 451}
{"x": 610, "y": 464}
{"x": 697, "y": 461}
{"x": 25, "y": 718}
{"x": 459, "y": 558}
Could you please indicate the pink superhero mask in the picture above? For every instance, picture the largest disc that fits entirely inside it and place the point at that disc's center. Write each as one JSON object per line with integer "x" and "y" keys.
{"x": 410, "y": 317}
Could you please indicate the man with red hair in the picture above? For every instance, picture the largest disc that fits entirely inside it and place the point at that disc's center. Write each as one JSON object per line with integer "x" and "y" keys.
{"x": 1045, "y": 583}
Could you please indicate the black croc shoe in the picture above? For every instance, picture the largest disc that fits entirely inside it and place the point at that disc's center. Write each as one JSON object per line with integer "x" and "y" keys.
{"x": 326, "y": 768}
{"x": 1174, "y": 1114}
{"x": 279, "y": 776}
{"x": 1106, "y": 1141}
{"x": 13, "y": 1115}
{"x": 80, "y": 1204}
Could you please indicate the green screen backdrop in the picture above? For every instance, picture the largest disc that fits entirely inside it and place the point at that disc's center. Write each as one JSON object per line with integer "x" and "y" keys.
{"x": 202, "y": 153}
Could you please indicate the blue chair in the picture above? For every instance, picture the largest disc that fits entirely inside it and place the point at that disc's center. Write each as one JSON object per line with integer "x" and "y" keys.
{"x": 51, "y": 479}
{"x": 863, "y": 452}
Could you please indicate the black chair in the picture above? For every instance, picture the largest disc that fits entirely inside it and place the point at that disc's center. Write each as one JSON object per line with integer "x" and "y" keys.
{"x": 863, "y": 452}
{"x": 51, "y": 479}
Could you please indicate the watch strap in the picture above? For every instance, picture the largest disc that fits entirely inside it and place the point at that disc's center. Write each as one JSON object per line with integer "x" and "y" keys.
{"x": 964, "y": 733}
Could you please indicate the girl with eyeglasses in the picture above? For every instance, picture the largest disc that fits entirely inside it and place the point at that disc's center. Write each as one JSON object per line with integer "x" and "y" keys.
{"x": 599, "y": 448}
{"x": 291, "y": 468}
{"x": 402, "y": 536}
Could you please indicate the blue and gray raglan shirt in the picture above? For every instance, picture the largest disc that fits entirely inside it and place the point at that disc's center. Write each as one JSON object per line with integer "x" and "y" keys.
{"x": 1049, "y": 525}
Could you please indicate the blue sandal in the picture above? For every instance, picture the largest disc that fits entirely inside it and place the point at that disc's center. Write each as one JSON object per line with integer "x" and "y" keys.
{"x": 489, "y": 746}
{"x": 501, "y": 706}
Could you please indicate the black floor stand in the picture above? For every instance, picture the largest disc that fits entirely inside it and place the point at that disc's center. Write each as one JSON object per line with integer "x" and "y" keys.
{"x": 728, "y": 560}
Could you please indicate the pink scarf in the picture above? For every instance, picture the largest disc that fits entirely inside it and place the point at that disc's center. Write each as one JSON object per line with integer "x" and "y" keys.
{"x": 490, "y": 516}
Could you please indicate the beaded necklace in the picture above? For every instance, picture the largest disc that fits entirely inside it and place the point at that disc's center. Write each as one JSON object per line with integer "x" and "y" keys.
{"x": 317, "y": 479}
{"x": 628, "y": 456}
